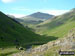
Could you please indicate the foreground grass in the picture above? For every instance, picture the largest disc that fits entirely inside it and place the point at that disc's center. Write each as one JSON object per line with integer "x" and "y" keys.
{"x": 8, "y": 51}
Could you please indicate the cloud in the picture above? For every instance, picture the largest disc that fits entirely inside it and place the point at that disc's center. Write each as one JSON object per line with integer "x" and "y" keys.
{"x": 8, "y": 1}
{"x": 54, "y": 12}
{"x": 18, "y": 15}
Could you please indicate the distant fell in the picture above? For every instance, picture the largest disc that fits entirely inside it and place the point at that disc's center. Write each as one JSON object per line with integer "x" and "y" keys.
{"x": 41, "y": 15}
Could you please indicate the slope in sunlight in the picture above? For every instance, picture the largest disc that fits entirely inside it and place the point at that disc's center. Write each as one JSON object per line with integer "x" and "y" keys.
{"x": 58, "y": 26}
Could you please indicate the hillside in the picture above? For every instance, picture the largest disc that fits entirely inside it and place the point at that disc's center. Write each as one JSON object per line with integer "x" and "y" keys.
{"x": 12, "y": 32}
{"x": 57, "y": 26}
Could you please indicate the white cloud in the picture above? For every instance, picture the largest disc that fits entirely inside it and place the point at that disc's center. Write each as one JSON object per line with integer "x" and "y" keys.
{"x": 7, "y": 1}
{"x": 18, "y": 15}
{"x": 54, "y": 12}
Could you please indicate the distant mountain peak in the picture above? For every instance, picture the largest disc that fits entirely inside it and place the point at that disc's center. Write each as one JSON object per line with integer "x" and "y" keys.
{"x": 41, "y": 15}
{"x": 38, "y": 12}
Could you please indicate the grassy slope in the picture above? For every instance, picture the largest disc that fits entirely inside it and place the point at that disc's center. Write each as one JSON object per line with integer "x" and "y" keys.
{"x": 11, "y": 30}
{"x": 58, "y": 26}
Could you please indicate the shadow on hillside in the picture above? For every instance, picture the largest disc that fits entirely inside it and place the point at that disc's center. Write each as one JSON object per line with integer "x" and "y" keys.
{"x": 50, "y": 38}
{"x": 43, "y": 40}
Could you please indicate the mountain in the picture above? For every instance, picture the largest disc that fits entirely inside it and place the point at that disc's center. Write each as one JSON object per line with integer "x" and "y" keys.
{"x": 41, "y": 15}
{"x": 58, "y": 26}
{"x": 35, "y": 18}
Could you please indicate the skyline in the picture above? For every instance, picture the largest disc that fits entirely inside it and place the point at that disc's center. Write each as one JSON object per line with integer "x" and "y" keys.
{"x": 21, "y": 8}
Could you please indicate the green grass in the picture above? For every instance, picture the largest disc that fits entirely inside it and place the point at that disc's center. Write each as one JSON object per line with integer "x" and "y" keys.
{"x": 61, "y": 31}
{"x": 8, "y": 51}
